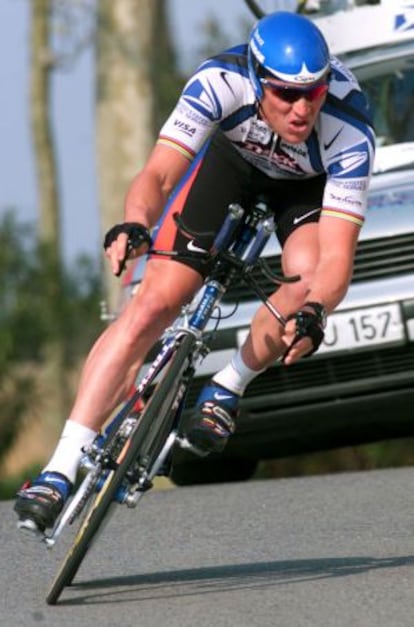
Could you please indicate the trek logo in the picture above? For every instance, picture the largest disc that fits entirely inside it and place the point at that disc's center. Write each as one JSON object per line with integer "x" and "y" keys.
{"x": 156, "y": 365}
{"x": 185, "y": 128}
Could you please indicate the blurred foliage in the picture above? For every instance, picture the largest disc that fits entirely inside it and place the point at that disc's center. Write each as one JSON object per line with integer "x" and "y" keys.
{"x": 31, "y": 316}
{"x": 215, "y": 39}
{"x": 10, "y": 485}
{"x": 168, "y": 82}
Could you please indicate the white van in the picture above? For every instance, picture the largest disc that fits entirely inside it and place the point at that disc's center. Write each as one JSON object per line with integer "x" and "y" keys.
{"x": 360, "y": 386}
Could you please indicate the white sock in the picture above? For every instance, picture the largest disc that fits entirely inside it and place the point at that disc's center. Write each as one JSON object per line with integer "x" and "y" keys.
{"x": 68, "y": 451}
{"x": 236, "y": 376}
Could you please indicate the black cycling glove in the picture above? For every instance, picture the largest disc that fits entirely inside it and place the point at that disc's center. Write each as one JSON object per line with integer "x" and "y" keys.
{"x": 308, "y": 324}
{"x": 138, "y": 234}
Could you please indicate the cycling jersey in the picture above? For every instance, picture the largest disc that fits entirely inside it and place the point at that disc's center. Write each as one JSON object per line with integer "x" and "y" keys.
{"x": 341, "y": 145}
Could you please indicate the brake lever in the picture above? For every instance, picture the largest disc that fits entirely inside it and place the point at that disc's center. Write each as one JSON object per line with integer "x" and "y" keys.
{"x": 187, "y": 232}
{"x": 277, "y": 279}
{"x": 122, "y": 265}
{"x": 128, "y": 250}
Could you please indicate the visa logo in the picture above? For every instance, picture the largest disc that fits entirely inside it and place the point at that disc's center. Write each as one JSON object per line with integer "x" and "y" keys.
{"x": 185, "y": 128}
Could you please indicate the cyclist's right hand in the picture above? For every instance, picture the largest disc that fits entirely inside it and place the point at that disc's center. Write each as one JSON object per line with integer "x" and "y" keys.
{"x": 126, "y": 241}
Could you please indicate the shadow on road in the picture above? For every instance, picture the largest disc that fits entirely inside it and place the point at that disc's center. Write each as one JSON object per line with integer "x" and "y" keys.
{"x": 213, "y": 579}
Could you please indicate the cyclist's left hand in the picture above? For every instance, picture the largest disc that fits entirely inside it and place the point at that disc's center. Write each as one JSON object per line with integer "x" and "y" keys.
{"x": 298, "y": 349}
{"x": 304, "y": 332}
{"x": 126, "y": 241}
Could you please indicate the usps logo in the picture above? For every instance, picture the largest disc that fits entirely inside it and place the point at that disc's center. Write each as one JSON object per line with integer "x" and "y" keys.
{"x": 202, "y": 97}
{"x": 405, "y": 20}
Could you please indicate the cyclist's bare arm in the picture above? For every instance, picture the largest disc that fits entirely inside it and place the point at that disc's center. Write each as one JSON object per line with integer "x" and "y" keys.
{"x": 337, "y": 242}
{"x": 148, "y": 194}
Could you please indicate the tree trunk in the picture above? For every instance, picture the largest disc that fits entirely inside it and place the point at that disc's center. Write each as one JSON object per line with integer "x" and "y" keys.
{"x": 41, "y": 68}
{"x": 125, "y": 105}
{"x": 52, "y": 387}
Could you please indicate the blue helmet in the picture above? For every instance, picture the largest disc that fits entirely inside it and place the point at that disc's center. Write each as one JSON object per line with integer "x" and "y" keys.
{"x": 289, "y": 47}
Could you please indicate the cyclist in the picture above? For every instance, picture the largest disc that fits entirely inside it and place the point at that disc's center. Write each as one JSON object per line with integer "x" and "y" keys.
{"x": 277, "y": 116}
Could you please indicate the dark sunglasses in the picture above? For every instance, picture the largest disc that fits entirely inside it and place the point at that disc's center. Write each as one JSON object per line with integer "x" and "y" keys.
{"x": 292, "y": 94}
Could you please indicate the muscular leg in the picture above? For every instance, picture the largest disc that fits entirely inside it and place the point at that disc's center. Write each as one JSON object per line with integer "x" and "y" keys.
{"x": 216, "y": 411}
{"x": 300, "y": 256}
{"x": 114, "y": 360}
{"x": 107, "y": 375}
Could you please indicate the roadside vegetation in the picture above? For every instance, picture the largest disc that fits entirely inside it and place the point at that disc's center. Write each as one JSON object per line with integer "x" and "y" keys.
{"x": 31, "y": 320}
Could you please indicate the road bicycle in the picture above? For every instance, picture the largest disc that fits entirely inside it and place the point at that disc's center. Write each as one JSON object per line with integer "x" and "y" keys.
{"x": 120, "y": 465}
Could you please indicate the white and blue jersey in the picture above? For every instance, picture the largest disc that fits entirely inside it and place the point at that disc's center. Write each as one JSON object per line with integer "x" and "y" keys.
{"x": 342, "y": 144}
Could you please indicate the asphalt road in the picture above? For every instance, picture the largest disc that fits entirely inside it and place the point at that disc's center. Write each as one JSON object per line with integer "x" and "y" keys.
{"x": 331, "y": 551}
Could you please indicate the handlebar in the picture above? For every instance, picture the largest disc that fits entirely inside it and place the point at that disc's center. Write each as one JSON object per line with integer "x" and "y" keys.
{"x": 236, "y": 249}
{"x": 241, "y": 239}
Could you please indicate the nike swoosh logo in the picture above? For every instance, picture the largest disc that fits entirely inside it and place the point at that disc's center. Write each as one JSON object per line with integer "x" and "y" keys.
{"x": 226, "y": 80}
{"x": 222, "y": 397}
{"x": 298, "y": 219}
{"x": 55, "y": 481}
{"x": 195, "y": 249}
{"x": 328, "y": 144}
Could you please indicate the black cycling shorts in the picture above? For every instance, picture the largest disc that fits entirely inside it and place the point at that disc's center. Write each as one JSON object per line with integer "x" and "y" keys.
{"x": 218, "y": 177}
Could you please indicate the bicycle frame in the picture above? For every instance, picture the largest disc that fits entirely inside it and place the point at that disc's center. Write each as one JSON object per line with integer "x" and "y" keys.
{"x": 236, "y": 250}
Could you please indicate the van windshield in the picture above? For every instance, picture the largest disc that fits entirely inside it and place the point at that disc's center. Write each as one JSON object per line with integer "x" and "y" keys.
{"x": 391, "y": 97}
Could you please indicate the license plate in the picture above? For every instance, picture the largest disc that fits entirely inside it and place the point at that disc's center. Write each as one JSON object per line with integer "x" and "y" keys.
{"x": 358, "y": 328}
{"x": 361, "y": 328}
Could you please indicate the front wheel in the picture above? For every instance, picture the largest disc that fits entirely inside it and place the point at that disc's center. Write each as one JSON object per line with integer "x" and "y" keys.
{"x": 98, "y": 510}
{"x": 141, "y": 449}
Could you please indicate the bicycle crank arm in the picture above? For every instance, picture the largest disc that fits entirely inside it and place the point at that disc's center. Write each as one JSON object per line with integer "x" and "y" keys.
{"x": 132, "y": 499}
{"x": 69, "y": 512}
{"x": 187, "y": 446}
